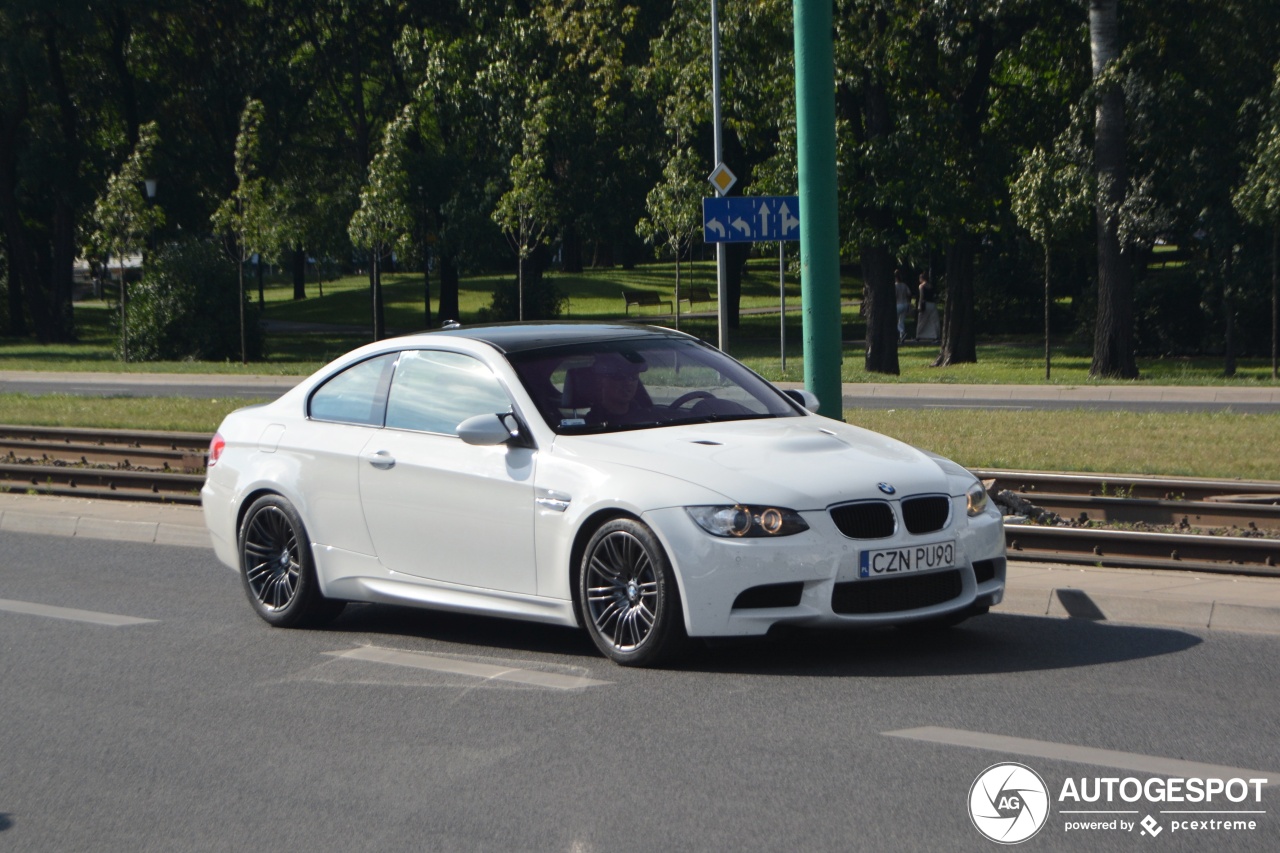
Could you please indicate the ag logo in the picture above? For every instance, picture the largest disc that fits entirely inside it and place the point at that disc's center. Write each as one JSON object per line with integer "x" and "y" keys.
{"x": 1008, "y": 803}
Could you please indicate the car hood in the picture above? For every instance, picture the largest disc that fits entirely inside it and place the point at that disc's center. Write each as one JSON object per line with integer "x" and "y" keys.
{"x": 802, "y": 463}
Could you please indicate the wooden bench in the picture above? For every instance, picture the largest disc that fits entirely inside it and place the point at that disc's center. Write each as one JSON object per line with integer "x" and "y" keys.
{"x": 696, "y": 294}
{"x": 644, "y": 297}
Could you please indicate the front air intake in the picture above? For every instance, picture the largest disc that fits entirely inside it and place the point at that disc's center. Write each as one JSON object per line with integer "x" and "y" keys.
{"x": 864, "y": 520}
{"x": 925, "y": 514}
{"x": 893, "y": 595}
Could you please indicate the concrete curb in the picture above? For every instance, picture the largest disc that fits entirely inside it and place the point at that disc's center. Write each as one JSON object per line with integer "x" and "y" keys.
{"x": 1123, "y": 596}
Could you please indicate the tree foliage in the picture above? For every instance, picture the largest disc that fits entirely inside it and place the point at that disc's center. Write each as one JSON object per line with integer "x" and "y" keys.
{"x": 377, "y": 120}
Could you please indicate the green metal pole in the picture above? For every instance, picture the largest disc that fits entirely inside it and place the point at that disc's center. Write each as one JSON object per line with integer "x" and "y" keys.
{"x": 819, "y": 230}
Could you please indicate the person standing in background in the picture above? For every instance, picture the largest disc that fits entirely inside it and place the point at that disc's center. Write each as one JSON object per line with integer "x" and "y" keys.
{"x": 927, "y": 325}
{"x": 902, "y": 297}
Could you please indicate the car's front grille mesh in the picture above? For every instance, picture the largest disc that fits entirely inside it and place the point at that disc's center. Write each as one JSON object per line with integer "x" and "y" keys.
{"x": 890, "y": 595}
{"x": 865, "y": 520}
{"x": 925, "y": 514}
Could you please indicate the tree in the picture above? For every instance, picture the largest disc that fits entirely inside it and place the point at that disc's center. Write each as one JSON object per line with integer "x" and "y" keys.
{"x": 674, "y": 210}
{"x": 1113, "y": 331}
{"x": 245, "y": 217}
{"x": 384, "y": 218}
{"x": 526, "y": 211}
{"x": 1258, "y": 201}
{"x": 123, "y": 218}
{"x": 1050, "y": 198}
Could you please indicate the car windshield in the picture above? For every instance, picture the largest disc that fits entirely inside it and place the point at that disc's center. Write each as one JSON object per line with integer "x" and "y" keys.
{"x": 611, "y": 386}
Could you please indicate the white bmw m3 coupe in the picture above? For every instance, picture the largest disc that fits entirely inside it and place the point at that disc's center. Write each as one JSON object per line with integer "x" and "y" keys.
{"x": 629, "y": 480}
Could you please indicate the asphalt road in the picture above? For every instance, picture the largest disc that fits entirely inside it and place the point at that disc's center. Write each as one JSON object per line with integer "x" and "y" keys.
{"x": 395, "y": 729}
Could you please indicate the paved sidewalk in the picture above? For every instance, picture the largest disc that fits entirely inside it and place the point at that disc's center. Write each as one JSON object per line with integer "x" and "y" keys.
{"x": 1132, "y": 596}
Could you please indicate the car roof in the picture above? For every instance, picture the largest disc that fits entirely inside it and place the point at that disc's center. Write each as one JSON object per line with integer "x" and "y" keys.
{"x": 522, "y": 337}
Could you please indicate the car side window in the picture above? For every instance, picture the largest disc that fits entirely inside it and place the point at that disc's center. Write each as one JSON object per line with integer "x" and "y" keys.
{"x": 435, "y": 391}
{"x": 357, "y": 395}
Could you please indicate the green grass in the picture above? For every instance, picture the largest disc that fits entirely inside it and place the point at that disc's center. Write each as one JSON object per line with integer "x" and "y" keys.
{"x": 1216, "y": 444}
{"x": 596, "y": 295}
{"x": 175, "y": 414}
{"x": 1194, "y": 444}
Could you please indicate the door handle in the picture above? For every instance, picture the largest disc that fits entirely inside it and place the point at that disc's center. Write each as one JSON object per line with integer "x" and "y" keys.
{"x": 382, "y": 460}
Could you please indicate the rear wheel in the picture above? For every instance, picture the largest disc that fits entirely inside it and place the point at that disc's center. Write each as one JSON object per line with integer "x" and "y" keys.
{"x": 628, "y": 595}
{"x": 276, "y": 567}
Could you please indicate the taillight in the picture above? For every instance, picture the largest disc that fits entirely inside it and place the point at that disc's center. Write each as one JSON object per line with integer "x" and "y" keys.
{"x": 216, "y": 446}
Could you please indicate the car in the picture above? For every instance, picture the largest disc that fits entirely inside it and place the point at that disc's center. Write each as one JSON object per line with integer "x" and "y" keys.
{"x": 629, "y": 480}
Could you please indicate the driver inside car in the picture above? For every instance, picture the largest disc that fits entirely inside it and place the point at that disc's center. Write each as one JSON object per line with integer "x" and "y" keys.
{"x": 622, "y": 398}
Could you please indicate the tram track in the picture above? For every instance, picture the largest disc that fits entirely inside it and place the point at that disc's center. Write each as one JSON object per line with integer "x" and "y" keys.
{"x": 1204, "y": 525}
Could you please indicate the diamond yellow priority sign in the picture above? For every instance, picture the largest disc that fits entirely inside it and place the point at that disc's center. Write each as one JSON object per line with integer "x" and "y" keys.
{"x": 722, "y": 179}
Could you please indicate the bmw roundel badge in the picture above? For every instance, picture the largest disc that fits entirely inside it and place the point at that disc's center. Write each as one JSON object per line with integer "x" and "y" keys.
{"x": 886, "y": 488}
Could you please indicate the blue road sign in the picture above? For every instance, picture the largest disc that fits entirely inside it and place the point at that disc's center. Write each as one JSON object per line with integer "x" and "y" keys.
{"x": 751, "y": 218}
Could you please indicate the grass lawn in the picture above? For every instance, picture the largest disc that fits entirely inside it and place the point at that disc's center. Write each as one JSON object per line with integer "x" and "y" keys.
{"x": 596, "y": 295}
{"x": 1194, "y": 444}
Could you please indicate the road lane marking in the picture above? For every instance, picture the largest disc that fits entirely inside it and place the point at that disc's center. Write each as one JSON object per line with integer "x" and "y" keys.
{"x": 70, "y": 613}
{"x": 475, "y": 669}
{"x": 1150, "y": 764}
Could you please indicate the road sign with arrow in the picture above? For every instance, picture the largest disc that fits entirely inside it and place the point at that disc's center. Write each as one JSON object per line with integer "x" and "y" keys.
{"x": 750, "y": 219}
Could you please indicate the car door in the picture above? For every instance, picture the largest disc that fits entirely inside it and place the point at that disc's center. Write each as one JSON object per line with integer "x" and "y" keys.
{"x": 435, "y": 506}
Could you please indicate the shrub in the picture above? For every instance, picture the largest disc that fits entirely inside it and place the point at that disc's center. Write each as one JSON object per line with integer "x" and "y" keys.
{"x": 542, "y": 299}
{"x": 184, "y": 309}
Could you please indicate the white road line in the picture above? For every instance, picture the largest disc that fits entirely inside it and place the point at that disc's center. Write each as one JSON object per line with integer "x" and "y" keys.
{"x": 74, "y": 615}
{"x": 454, "y": 666}
{"x": 1151, "y": 764}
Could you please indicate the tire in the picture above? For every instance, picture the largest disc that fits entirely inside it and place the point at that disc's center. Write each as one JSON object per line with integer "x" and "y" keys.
{"x": 627, "y": 593}
{"x": 277, "y": 569}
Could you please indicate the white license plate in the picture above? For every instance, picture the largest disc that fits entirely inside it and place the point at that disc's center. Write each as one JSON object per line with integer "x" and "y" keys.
{"x": 913, "y": 558}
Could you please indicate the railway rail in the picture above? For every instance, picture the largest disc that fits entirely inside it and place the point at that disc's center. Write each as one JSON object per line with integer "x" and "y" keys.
{"x": 101, "y": 463}
{"x": 1242, "y": 516}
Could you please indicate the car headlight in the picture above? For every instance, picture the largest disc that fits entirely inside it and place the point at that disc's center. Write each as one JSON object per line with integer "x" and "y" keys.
{"x": 738, "y": 521}
{"x": 976, "y": 498}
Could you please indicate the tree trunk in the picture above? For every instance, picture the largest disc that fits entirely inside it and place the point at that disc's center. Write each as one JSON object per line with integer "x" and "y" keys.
{"x": 880, "y": 311}
{"x": 60, "y": 324}
{"x": 1046, "y": 309}
{"x": 879, "y": 301}
{"x": 375, "y": 288}
{"x": 448, "y": 288}
{"x": 244, "y": 349}
{"x": 736, "y": 256}
{"x": 426, "y": 288}
{"x": 1229, "y": 314}
{"x": 959, "y": 338}
{"x": 571, "y": 250}
{"x": 299, "y": 272}
{"x": 1113, "y": 331}
{"x": 262, "y": 300}
{"x": 1275, "y": 299}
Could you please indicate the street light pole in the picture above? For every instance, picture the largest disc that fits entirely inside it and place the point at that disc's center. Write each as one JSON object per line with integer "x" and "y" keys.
{"x": 722, "y": 252}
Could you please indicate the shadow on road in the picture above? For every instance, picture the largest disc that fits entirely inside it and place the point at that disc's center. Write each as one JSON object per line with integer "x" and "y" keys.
{"x": 985, "y": 645}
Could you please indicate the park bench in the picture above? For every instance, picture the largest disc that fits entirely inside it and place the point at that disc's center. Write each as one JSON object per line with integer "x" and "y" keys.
{"x": 644, "y": 297}
{"x": 696, "y": 294}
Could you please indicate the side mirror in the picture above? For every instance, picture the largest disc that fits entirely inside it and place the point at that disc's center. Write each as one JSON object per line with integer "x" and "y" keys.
{"x": 807, "y": 399}
{"x": 487, "y": 430}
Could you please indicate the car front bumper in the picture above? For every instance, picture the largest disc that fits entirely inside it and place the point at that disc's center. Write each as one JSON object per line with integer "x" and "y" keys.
{"x": 743, "y": 587}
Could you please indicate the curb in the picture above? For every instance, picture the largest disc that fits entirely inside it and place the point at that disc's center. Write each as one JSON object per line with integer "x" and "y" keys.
{"x": 1134, "y": 597}
{"x": 1074, "y": 603}
{"x": 88, "y": 527}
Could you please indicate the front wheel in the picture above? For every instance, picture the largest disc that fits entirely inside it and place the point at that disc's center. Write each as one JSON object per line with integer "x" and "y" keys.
{"x": 628, "y": 595}
{"x": 276, "y": 567}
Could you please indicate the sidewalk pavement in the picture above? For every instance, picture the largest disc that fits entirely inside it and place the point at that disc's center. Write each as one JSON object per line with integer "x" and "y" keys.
{"x": 1131, "y": 596}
